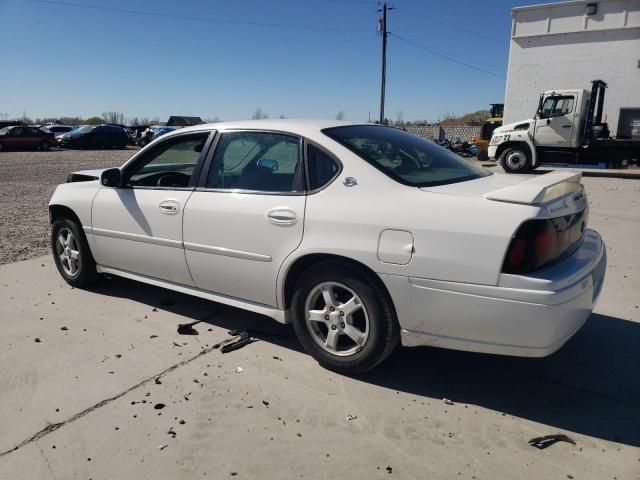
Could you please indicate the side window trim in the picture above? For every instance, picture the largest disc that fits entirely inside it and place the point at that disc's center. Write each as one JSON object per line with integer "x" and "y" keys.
{"x": 137, "y": 159}
{"x": 299, "y": 182}
{"x": 307, "y": 168}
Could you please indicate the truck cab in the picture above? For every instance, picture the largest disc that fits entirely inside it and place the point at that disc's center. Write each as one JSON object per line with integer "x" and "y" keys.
{"x": 567, "y": 128}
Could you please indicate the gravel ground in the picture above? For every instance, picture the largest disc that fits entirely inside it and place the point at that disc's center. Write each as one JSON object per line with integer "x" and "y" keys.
{"x": 27, "y": 181}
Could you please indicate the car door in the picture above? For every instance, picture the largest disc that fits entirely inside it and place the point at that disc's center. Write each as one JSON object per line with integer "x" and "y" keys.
{"x": 138, "y": 227}
{"x": 247, "y": 214}
{"x": 13, "y": 138}
{"x": 555, "y": 122}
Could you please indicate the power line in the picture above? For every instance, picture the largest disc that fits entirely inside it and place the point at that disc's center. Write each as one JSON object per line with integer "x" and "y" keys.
{"x": 452, "y": 26}
{"x": 446, "y": 57}
{"x": 199, "y": 19}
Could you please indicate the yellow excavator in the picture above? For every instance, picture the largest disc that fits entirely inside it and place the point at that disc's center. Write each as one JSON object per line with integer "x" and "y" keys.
{"x": 482, "y": 141}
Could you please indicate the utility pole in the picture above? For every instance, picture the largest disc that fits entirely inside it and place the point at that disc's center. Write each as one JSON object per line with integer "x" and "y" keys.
{"x": 382, "y": 26}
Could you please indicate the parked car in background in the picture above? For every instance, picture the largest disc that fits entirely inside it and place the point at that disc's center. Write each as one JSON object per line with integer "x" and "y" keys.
{"x": 57, "y": 130}
{"x": 363, "y": 236}
{"x": 26, "y": 138}
{"x": 95, "y": 136}
{"x": 150, "y": 134}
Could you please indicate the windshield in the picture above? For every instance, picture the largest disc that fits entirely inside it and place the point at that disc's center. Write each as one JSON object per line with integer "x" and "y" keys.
{"x": 405, "y": 157}
{"x": 84, "y": 129}
{"x": 3, "y": 131}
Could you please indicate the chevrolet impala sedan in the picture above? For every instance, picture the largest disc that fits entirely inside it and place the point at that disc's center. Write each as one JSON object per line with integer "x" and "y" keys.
{"x": 362, "y": 236}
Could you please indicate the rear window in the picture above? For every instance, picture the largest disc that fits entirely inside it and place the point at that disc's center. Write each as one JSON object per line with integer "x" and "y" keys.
{"x": 407, "y": 158}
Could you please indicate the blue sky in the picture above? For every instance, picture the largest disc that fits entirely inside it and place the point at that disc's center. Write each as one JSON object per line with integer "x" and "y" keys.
{"x": 67, "y": 60}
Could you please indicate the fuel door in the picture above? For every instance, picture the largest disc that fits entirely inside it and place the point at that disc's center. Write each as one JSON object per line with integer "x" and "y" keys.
{"x": 395, "y": 246}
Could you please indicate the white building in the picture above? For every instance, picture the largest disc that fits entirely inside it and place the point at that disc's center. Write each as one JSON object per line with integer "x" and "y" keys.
{"x": 568, "y": 44}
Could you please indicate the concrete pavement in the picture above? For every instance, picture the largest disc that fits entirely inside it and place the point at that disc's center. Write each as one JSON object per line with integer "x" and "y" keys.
{"x": 80, "y": 402}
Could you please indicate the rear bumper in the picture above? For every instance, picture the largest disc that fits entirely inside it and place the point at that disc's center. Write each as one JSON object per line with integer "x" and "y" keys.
{"x": 531, "y": 316}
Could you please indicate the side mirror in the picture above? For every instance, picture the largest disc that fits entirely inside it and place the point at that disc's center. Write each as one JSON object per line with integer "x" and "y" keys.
{"x": 111, "y": 178}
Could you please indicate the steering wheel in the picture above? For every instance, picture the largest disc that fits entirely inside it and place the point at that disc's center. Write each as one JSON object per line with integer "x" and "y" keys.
{"x": 173, "y": 179}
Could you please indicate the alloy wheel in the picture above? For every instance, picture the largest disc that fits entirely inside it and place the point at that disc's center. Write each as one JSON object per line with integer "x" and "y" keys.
{"x": 337, "y": 318}
{"x": 68, "y": 252}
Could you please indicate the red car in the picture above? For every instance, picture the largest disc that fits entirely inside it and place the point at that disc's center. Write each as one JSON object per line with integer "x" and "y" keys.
{"x": 26, "y": 138}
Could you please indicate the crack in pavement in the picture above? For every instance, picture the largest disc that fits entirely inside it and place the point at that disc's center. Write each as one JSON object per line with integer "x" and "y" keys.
{"x": 46, "y": 460}
{"x": 55, "y": 426}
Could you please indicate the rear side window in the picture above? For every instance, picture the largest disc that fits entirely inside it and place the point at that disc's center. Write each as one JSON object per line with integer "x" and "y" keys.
{"x": 322, "y": 168}
{"x": 258, "y": 161}
{"x": 407, "y": 158}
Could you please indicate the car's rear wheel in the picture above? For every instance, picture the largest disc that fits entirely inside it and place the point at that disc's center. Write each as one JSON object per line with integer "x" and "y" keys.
{"x": 45, "y": 146}
{"x": 1, "y": 147}
{"x": 515, "y": 160}
{"x": 344, "y": 319}
{"x": 71, "y": 253}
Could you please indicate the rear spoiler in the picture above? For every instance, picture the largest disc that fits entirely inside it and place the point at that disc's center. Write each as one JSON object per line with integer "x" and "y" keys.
{"x": 537, "y": 190}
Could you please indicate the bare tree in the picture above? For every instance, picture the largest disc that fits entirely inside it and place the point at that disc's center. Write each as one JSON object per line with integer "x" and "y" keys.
{"x": 259, "y": 114}
{"x": 340, "y": 115}
{"x": 399, "y": 120}
{"x": 113, "y": 117}
{"x": 4, "y": 116}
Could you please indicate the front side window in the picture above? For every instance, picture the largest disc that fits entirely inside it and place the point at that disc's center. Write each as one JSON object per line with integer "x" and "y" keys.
{"x": 169, "y": 164}
{"x": 556, "y": 106}
{"x": 407, "y": 158}
{"x": 259, "y": 161}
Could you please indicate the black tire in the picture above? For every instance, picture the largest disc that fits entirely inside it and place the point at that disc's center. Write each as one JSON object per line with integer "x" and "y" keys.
{"x": 383, "y": 331}
{"x": 45, "y": 146}
{"x": 515, "y": 160}
{"x": 85, "y": 272}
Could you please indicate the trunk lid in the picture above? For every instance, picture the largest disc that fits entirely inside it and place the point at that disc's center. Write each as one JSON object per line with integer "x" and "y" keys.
{"x": 559, "y": 193}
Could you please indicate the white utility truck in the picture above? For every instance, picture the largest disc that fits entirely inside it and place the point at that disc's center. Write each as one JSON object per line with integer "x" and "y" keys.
{"x": 566, "y": 129}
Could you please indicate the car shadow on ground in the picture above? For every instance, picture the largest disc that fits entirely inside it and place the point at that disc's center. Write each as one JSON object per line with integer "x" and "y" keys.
{"x": 591, "y": 386}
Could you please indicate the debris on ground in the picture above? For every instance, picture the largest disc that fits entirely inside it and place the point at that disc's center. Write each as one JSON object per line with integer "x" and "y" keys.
{"x": 172, "y": 432}
{"x": 239, "y": 370}
{"x": 275, "y": 357}
{"x": 187, "y": 328}
{"x": 162, "y": 447}
{"x": 159, "y": 406}
{"x": 351, "y": 417}
{"x": 176, "y": 344}
{"x": 153, "y": 336}
{"x": 182, "y": 422}
{"x": 37, "y": 340}
{"x": 64, "y": 329}
{"x": 265, "y": 403}
{"x": 243, "y": 338}
{"x": 117, "y": 355}
{"x": 157, "y": 381}
{"x": 546, "y": 441}
{"x": 447, "y": 401}
{"x": 388, "y": 469}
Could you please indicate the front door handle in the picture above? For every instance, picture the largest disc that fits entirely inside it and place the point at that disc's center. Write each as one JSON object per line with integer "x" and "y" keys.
{"x": 566, "y": 126}
{"x": 282, "y": 216}
{"x": 169, "y": 207}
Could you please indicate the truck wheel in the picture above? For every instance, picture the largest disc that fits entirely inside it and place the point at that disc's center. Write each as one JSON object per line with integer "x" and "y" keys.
{"x": 343, "y": 319}
{"x": 515, "y": 160}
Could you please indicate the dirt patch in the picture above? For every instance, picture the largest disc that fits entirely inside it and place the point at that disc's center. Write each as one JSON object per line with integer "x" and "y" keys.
{"x": 27, "y": 181}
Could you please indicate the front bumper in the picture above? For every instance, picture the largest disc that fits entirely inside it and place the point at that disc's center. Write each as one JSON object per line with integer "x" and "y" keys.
{"x": 524, "y": 315}
{"x": 491, "y": 152}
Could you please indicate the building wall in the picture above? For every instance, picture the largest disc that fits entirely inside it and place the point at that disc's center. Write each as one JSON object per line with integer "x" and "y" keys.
{"x": 558, "y": 46}
{"x": 431, "y": 132}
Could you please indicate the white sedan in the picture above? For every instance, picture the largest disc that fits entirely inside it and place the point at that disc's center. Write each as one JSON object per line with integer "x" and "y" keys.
{"x": 362, "y": 236}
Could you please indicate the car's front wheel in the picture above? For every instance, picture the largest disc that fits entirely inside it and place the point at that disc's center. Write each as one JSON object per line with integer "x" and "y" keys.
{"x": 344, "y": 319}
{"x": 71, "y": 253}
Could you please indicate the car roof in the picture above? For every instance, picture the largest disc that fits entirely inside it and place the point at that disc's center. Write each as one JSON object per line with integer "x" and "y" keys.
{"x": 295, "y": 126}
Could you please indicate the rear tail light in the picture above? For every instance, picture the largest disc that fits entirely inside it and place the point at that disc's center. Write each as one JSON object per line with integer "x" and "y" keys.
{"x": 540, "y": 243}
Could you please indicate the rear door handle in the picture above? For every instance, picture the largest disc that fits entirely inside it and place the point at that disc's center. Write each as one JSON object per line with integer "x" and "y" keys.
{"x": 282, "y": 216}
{"x": 566, "y": 126}
{"x": 169, "y": 207}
